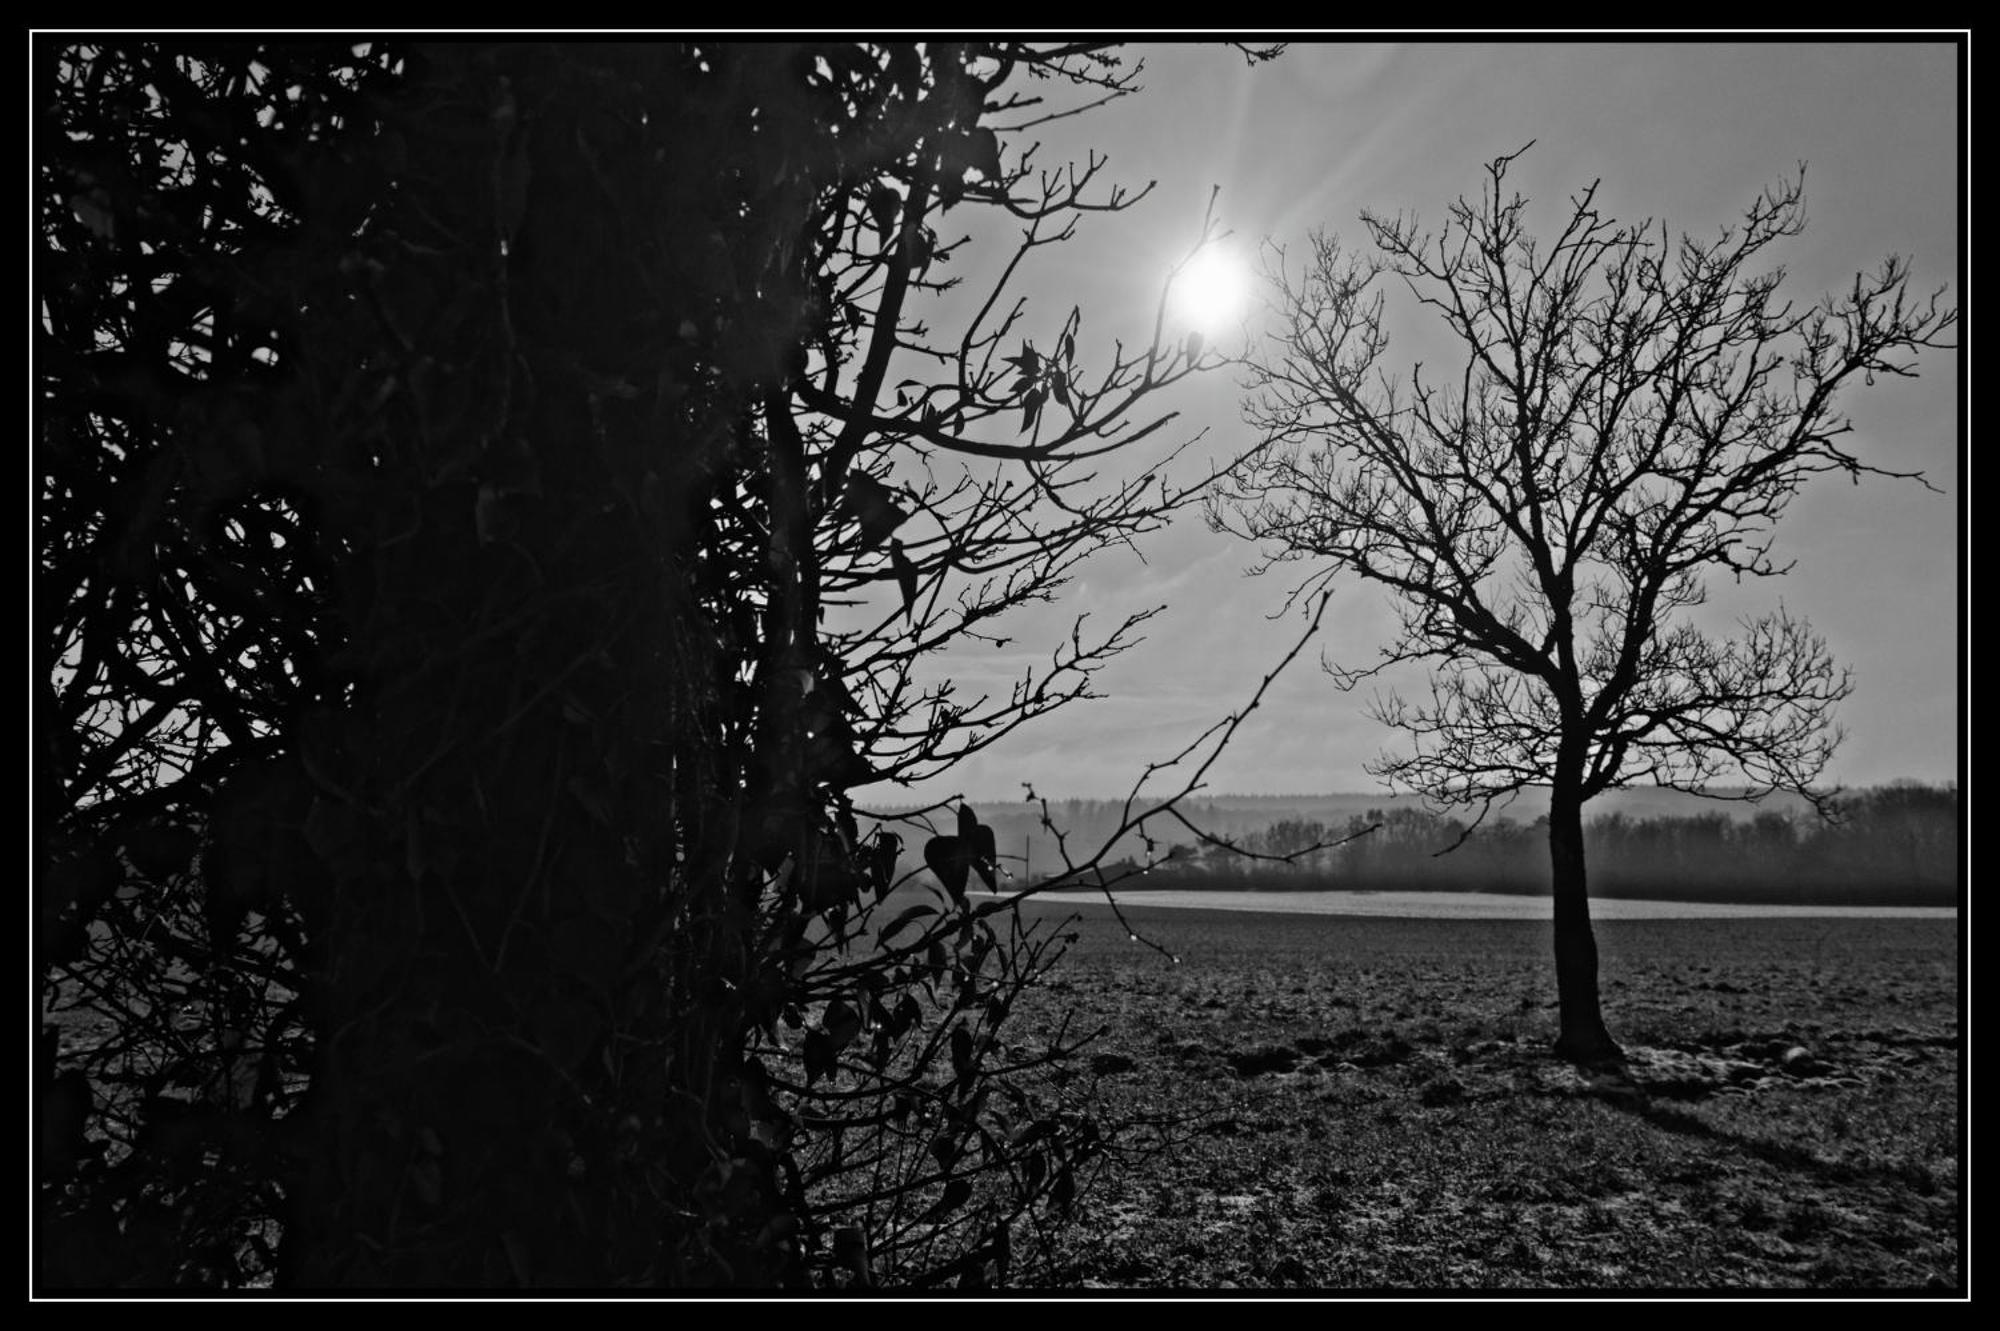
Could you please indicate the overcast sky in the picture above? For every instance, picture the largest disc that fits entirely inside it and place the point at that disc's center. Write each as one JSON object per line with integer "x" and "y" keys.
{"x": 1687, "y": 132}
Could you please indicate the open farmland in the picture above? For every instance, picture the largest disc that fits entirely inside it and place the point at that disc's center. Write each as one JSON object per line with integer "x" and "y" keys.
{"x": 1336, "y": 1103}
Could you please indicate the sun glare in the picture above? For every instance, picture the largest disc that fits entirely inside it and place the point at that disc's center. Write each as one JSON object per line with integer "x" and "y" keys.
{"x": 1211, "y": 293}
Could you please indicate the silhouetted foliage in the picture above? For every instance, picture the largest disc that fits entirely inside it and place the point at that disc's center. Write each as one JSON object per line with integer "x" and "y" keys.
{"x": 1633, "y": 412}
{"x": 184, "y": 610}
{"x": 482, "y": 542}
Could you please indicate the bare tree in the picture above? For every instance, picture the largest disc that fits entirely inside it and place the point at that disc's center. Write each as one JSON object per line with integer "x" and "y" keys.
{"x": 1634, "y": 411}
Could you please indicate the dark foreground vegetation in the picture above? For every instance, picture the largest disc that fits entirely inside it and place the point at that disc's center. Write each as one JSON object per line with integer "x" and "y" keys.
{"x": 447, "y": 455}
{"x": 1347, "y": 1104}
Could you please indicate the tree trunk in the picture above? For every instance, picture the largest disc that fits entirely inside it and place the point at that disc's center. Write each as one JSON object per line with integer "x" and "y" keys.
{"x": 513, "y": 1087}
{"x": 1583, "y": 1038}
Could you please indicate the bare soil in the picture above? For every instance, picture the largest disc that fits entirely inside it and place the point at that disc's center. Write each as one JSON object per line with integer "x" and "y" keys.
{"x": 1346, "y": 1104}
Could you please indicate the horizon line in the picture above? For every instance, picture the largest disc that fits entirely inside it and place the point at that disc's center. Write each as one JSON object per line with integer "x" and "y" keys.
{"x": 1719, "y": 792}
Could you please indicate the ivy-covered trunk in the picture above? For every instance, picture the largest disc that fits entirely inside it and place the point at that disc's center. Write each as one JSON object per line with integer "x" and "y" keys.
{"x": 469, "y": 495}
{"x": 526, "y": 963}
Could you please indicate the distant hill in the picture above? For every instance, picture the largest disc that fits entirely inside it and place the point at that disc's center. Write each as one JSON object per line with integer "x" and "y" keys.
{"x": 1018, "y": 830}
{"x": 1895, "y": 844}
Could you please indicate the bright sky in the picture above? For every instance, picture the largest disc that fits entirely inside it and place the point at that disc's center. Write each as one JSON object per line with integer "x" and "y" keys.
{"x": 1687, "y": 132}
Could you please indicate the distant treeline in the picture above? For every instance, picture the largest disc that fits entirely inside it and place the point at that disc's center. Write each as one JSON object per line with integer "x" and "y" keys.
{"x": 1893, "y": 845}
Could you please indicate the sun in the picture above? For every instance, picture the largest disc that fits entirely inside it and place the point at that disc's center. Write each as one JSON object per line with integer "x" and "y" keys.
{"x": 1211, "y": 292}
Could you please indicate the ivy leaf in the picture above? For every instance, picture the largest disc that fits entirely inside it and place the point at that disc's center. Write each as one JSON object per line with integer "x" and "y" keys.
{"x": 956, "y": 1193}
{"x": 842, "y": 1023}
{"x": 896, "y": 925}
{"x": 906, "y": 69}
{"x": 982, "y": 152}
{"x": 94, "y": 211}
{"x": 1064, "y": 1191}
{"x": 65, "y": 1106}
{"x": 985, "y": 856}
{"x": 159, "y": 850}
{"x": 883, "y": 204}
{"x": 948, "y": 859}
{"x": 872, "y": 504}
{"x": 819, "y": 1055}
{"x": 978, "y": 847}
{"x": 887, "y": 846}
{"x": 906, "y": 577}
{"x": 491, "y": 518}
{"x": 1031, "y": 407}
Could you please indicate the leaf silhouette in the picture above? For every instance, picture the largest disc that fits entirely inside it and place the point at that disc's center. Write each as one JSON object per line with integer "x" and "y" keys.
{"x": 883, "y": 204}
{"x": 947, "y": 858}
{"x": 819, "y": 1055}
{"x": 872, "y": 504}
{"x": 895, "y": 926}
{"x": 961, "y": 1049}
{"x": 985, "y": 856}
{"x": 842, "y": 1023}
{"x": 982, "y": 151}
{"x": 956, "y": 1193}
{"x": 972, "y": 849}
{"x": 906, "y": 577}
{"x": 887, "y": 846}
